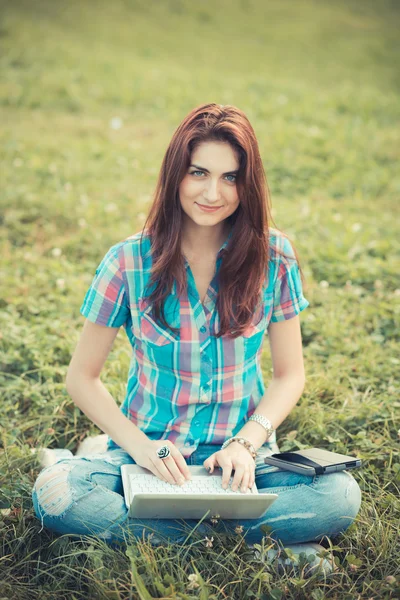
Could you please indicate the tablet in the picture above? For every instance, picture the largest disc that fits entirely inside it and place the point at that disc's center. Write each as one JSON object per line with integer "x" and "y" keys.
{"x": 313, "y": 461}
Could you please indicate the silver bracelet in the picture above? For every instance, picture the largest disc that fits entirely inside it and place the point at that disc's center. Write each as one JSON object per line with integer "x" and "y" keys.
{"x": 266, "y": 423}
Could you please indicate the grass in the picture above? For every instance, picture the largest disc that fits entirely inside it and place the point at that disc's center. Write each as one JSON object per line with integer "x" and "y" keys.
{"x": 320, "y": 83}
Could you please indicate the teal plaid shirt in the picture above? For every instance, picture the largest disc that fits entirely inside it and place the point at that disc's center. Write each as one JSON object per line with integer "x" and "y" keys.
{"x": 191, "y": 388}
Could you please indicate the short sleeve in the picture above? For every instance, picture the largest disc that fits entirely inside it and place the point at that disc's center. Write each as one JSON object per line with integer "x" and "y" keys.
{"x": 105, "y": 302}
{"x": 288, "y": 292}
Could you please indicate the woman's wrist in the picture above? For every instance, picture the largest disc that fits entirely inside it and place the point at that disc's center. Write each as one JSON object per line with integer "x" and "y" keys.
{"x": 257, "y": 433}
{"x": 264, "y": 422}
{"x": 244, "y": 442}
{"x": 254, "y": 433}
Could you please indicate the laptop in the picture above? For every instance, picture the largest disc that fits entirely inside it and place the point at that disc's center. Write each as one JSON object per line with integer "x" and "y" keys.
{"x": 147, "y": 496}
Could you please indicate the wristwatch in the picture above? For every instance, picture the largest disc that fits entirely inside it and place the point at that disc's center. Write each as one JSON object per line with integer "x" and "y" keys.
{"x": 266, "y": 423}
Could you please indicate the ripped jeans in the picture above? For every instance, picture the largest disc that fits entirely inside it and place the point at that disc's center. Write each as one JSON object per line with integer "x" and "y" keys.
{"x": 84, "y": 496}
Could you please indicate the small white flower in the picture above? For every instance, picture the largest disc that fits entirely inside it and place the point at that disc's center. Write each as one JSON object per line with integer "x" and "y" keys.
{"x": 324, "y": 284}
{"x": 305, "y": 210}
{"x": 209, "y": 542}
{"x": 214, "y": 519}
{"x": 112, "y": 207}
{"x": 67, "y": 186}
{"x": 356, "y": 227}
{"x": 378, "y": 284}
{"x": 60, "y": 284}
{"x": 239, "y": 529}
{"x": 337, "y": 217}
{"x": 357, "y": 290}
{"x": 18, "y": 162}
{"x": 116, "y": 123}
{"x": 122, "y": 161}
{"x": 82, "y": 223}
{"x": 314, "y": 131}
{"x": 396, "y": 292}
{"x": 52, "y": 167}
{"x": 56, "y": 252}
{"x": 84, "y": 199}
{"x": 194, "y": 581}
{"x": 282, "y": 99}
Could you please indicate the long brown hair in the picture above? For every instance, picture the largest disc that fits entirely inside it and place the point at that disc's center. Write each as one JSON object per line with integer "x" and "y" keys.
{"x": 244, "y": 266}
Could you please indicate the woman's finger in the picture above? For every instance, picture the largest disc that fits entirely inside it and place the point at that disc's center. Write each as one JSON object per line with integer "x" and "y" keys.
{"x": 157, "y": 472}
{"x": 245, "y": 481}
{"x": 161, "y": 467}
{"x": 252, "y": 480}
{"x": 237, "y": 479}
{"x": 209, "y": 463}
{"x": 181, "y": 463}
{"x": 226, "y": 466}
{"x": 172, "y": 468}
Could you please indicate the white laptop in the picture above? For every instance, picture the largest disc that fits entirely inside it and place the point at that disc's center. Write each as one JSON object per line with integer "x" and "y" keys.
{"x": 147, "y": 496}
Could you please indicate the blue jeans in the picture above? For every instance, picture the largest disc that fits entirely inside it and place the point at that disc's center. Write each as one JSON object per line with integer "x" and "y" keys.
{"x": 84, "y": 496}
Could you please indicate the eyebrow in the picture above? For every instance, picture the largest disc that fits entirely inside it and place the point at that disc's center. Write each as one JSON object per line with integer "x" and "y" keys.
{"x": 207, "y": 171}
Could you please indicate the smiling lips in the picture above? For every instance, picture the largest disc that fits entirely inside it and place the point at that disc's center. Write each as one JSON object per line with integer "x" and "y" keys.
{"x": 208, "y": 209}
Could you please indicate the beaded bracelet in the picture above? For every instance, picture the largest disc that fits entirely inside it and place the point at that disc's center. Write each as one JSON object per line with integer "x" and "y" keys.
{"x": 243, "y": 441}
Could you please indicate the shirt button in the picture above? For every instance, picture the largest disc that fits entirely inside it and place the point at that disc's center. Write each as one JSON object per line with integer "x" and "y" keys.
{"x": 203, "y": 329}
{"x": 197, "y": 423}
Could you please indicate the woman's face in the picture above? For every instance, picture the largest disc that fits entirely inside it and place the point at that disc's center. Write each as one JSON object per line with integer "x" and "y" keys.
{"x": 210, "y": 181}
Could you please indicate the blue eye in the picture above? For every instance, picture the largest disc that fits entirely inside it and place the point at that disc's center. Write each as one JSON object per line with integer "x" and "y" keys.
{"x": 202, "y": 173}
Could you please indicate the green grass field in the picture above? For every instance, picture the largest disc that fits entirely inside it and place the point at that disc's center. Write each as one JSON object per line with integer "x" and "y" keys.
{"x": 91, "y": 93}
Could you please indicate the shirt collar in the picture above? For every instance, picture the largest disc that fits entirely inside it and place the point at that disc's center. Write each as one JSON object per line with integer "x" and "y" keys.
{"x": 224, "y": 245}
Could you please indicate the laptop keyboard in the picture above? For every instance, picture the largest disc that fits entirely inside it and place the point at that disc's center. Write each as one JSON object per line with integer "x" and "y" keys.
{"x": 198, "y": 484}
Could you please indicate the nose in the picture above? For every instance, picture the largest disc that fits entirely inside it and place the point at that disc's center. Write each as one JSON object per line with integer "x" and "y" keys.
{"x": 211, "y": 193}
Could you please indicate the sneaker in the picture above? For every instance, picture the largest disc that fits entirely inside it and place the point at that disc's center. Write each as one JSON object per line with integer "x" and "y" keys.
{"x": 91, "y": 445}
{"x": 302, "y": 559}
{"x": 50, "y": 456}
{"x": 95, "y": 444}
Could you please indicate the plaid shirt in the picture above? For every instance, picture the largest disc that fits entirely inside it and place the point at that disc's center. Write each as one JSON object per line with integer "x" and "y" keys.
{"x": 191, "y": 388}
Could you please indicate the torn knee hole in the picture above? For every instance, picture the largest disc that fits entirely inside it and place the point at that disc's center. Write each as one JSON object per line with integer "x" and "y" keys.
{"x": 53, "y": 490}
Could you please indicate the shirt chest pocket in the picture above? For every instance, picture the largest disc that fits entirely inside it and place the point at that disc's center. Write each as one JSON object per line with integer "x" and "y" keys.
{"x": 153, "y": 333}
{"x": 244, "y": 348}
{"x": 158, "y": 343}
{"x": 253, "y": 338}
{"x": 160, "y": 348}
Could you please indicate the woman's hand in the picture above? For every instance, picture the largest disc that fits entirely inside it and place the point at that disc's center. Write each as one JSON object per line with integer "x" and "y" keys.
{"x": 172, "y": 469}
{"x": 237, "y": 457}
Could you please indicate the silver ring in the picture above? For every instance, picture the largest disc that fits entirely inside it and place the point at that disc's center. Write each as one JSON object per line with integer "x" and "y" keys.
{"x": 163, "y": 452}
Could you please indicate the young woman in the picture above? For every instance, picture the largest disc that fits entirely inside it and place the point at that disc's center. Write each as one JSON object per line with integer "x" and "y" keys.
{"x": 196, "y": 291}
